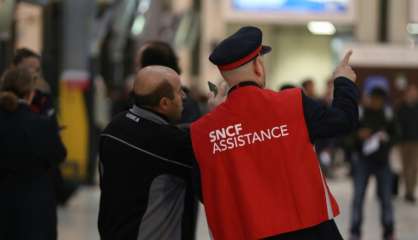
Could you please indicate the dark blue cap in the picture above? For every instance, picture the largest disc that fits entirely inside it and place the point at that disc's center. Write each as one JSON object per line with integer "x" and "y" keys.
{"x": 239, "y": 48}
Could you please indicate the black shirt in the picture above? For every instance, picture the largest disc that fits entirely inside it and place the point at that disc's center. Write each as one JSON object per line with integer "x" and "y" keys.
{"x": 378, "y": 120}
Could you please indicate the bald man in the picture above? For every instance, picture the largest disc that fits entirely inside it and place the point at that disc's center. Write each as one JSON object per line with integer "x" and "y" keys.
{"x": 161, "y": 53}
{"x": 145, "y": 164}
{"x": 260, "y": 178}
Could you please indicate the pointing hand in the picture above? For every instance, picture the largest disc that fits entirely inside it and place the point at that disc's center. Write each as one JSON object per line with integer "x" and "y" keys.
{"x": 344, "y": 69}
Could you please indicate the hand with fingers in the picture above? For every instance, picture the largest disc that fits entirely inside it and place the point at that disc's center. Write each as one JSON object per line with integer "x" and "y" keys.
{"x": 344, "y": 69}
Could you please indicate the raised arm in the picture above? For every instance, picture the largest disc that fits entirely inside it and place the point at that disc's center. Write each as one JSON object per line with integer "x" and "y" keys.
{"x": 342, "y": 117}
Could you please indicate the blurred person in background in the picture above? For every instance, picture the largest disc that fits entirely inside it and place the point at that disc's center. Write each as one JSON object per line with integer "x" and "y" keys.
{"x": 376, "y": 135}
{"x": 145, "y": 165}
{"x": 161, "y": 53}
{"x": 201, "y": 97}
{"x": 408, "y": 123}
{"x": 30, "y": 148}
{"x": 308, "y": 86}
{"x": 121, "y": 97}
{"x": 329, "y": 93}
{"x": 42, "y": 103}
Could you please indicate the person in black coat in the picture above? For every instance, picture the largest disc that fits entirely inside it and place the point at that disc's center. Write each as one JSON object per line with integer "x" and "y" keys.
{"x": 145, "y": 165}
{"x": 408, "y": 119}
{"x": 29, "y": 147}
{"x": 42, "y": 103}
{"x": 377, "y": 134}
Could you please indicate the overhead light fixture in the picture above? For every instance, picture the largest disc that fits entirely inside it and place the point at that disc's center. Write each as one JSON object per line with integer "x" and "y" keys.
{"x": 138, "y": 25}
{"x": 412, "y": 28}
{"x": 321, "y": 28}
{"x": 143, "y": 6}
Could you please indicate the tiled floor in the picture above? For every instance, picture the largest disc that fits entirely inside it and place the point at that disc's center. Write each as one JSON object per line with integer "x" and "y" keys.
{"x": 79, "y": 219}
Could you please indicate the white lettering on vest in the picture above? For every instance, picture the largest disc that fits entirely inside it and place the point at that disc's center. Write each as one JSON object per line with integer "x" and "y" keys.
{"x": 256, "y": 138}
{"x": 220, "y": 134}
{"x": 216, "y": 148}
{"x": 212, "y": 136}
{"x": 284, "y": 130}
{"x": 265, "y": 134}
{"x": 275, "y": 129}
{"x": 229, "y": 131}
{"x": 241, "y": 141}
{"x": 231, "y": 137}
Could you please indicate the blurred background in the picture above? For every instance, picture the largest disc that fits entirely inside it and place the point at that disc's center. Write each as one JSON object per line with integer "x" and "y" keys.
{"x": 89, "y": 49}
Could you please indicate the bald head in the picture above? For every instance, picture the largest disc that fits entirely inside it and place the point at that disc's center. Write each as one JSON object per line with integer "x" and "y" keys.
{"x": 251, "y": 71}
{"x": 159, "y": 88}
{"x": 148, "y": 79}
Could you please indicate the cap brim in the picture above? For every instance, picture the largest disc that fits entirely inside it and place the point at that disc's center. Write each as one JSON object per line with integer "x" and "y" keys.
{"x": 265, "y": 49}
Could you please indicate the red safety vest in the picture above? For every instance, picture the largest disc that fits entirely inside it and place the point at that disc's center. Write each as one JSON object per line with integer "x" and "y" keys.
{"x": 259, "y": 171}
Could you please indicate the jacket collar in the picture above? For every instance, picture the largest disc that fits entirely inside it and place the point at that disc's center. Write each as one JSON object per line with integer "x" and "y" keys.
{"x": 149, "y": 115}
{"x": 243, "y": 84}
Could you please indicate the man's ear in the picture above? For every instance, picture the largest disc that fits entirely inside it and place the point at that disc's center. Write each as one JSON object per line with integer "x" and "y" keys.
{"x": 257, "y": 67}
{"x": 164, "y": 103}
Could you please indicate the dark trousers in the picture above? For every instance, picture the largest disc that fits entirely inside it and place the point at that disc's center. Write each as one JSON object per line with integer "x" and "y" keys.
{"x": 362, "y": 170}
{"x": 409, "y": 151}
{"x": 27, "y": 208}
{"x": 324, "y": 231}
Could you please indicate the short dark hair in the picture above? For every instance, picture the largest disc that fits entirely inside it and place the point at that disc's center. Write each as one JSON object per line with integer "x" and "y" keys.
{"x": 159, "y": 53}
{"x": 378, "y": 92}
{"x": 306, "y": 82}
{"x": 16, "y": 83}
{"x": 165, "y": 89}
{"x": 23, "y": 53}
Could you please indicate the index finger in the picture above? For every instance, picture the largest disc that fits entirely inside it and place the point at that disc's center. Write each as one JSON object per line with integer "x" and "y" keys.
{"x": 346, "y": 59}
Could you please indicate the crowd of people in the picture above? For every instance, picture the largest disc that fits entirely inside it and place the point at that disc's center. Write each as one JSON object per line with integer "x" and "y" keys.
{"x": 252, "y": 156}
{"x": 382, "y": 126}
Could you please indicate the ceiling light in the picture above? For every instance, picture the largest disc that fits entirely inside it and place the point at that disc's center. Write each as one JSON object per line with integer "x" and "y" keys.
{"x": 321, "y": 28}
{"x": 138, "y": 25}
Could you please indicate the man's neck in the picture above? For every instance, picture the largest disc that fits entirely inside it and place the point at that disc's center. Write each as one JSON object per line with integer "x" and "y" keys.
{"x": 243, "y": 84}
{"x": 233, "y": 82}
{"x": 241, "y": 81}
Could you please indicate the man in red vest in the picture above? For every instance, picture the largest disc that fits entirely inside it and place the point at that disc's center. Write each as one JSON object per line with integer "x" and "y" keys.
{"x": 260, "y": 178}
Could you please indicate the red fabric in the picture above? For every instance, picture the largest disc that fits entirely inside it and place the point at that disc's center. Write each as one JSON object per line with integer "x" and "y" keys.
{"x": 241, "y": 61}
{"x": 263, "y": 188}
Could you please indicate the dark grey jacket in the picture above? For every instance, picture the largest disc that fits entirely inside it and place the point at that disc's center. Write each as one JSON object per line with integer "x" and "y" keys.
{"x": 145, "y": 166}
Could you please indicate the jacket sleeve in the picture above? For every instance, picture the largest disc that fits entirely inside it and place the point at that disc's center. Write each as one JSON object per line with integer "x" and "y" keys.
{"x": 339, "y": 119}
{"x": 50, "y": 147}
{"x": 195, "y": 171}
{"x": 196, "y": 181}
